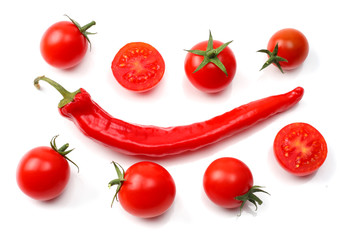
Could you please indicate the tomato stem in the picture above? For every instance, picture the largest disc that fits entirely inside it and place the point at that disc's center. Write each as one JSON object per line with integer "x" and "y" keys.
{"x": 64, "y": 147}
{"x": 87, "y": 26}
{"x": 211, "y": 54}
{"x": 68, "y": 96}
{"x": 251, "y": 197}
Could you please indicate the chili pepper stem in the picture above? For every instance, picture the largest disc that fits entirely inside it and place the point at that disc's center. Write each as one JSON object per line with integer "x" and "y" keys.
{"x": 68, "y": 96}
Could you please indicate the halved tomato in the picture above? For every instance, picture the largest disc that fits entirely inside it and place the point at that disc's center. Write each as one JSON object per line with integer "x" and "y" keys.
{"x": 138, "y": 66}
{"x": 300, "y": 148}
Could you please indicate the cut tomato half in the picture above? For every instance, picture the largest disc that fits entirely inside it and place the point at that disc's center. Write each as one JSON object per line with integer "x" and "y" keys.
{"x": 138, "y": 66}
{"x": 300, "y": 148}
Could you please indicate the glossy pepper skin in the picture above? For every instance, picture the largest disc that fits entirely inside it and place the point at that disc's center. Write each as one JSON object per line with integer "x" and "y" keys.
{"x": 153, "y": 141}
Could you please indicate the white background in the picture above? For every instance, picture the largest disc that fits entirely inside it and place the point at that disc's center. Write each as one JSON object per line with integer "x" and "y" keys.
{"x": 320, "y": 206}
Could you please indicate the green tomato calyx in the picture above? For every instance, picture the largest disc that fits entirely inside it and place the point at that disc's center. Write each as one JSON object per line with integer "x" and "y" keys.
{"x": 251, "y": 197}
{"x": 273, "y": 58}
{"x": 210, "y": 55}
{"x": 117, "y": 181}
{"x": 62, "y": 150}
{"x": 83, "y": 29}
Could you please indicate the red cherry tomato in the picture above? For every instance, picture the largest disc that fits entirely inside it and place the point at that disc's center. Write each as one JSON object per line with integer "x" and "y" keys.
{"x": 210, "y": 78}
{"x": 300, "y": 148}
{"x": 145, "y": 190}
{"x": 64, "y": 44}
{"x": 43, "y": 172}
{"x": 228, "y": 182}
{"x": 138, "y": 66}
{"x": 291, "y": 51}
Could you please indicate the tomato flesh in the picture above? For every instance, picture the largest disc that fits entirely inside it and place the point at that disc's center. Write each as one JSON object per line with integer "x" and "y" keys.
{"x": 138, "y": 66}
{"x": 300, "y": 148}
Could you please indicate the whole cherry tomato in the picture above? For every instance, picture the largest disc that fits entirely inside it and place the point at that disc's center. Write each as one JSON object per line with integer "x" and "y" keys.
{"x": 145, "y": 190}
{"x": 210, "y": 65}
{"x": 44, "y": 172}
{"x": 287, "y": 49}
{"x": 300, "y": 148}
{"x": 138, "y": 66}
{"x": 228, "y": 182}
{"x": 64, "y": 44}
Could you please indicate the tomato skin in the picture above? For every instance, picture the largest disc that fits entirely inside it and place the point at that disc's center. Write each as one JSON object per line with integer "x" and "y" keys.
{"x": 148, "y": 190}
{"x": 226, "y": 178}
{"x": 300, "y": 149}
{"x": 138, "y": 66}
{"x": 63, "y": 45}
{"x": 292, "y": 45}
{"x": 43, "y": 173}
{"x": 210, "y": 78}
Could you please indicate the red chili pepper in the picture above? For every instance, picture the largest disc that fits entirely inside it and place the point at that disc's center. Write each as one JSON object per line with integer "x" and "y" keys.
{"x": 154, "y": 141}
